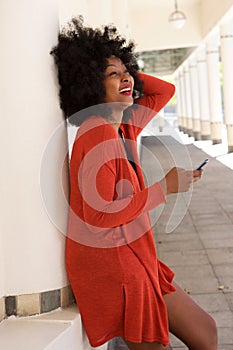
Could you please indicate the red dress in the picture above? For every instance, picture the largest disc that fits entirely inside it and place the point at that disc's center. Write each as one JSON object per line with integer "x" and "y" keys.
{"x": 116, "y": 277}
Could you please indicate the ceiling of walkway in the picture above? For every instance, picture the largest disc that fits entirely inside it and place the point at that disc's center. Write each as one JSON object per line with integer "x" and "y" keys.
{"x": 165, "y": 61}
{"x": 161, "y": 48}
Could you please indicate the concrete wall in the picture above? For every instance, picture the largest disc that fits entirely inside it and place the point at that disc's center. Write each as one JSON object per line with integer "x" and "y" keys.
{"x": 32, "y": 245}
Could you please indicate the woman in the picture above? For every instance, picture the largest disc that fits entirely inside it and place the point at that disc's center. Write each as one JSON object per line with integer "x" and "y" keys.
{"x": 121, "y": 288}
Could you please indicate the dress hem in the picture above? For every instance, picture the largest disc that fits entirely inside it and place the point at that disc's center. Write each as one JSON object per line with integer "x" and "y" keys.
{"x": 133, "y": 340}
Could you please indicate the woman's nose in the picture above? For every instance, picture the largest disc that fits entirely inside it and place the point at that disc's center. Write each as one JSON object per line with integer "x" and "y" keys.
{"x": 125, "y": 77}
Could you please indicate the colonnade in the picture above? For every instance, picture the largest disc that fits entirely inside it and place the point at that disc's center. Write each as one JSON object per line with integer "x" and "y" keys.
{"x": 204, "y": 95}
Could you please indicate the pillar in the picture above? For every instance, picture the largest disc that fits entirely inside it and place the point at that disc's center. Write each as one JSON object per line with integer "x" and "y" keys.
{"x": 33, "y": 246}
{"x": 188, "y": 99}
{"x": 212, "y": 54}
{"x": 183, "y": 101}
{"x": 178, "y": 100}
{"x": 203, "y": 93}
{"x": 195, "y": 97}
{"x": 226, "y": 31}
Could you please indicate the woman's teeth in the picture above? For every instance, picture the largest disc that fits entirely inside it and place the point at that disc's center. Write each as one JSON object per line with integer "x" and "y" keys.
{"x": 125, "y": 90}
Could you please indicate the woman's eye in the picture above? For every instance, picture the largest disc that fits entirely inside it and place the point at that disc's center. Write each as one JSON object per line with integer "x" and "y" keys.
{"x": 116, "y": 73}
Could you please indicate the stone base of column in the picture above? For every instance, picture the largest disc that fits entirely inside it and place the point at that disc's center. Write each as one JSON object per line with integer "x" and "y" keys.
{"x": 36, "y": 303}
{"x": 197, "y": 135}
{"x": 230, "y": 137}
{"x": 197, "y": 129}
{"x": 189, "y": 124}
{"x": 180, "y": 128}
{"x": 205, "y": 137}
{"x": 185, "y": 124}
{"x": 180, "y": 123}
{"x": 205, "y": 130}
{"x": 216, "y": 141}
{"x": 160, "y": 129}
{"x": 216, "y": 132}
{"x": 190, "y": 132}
{"x": 160, "y": 123}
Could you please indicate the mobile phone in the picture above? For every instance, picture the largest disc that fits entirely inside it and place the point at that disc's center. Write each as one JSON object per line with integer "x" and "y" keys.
{"x": 202, "y": 164}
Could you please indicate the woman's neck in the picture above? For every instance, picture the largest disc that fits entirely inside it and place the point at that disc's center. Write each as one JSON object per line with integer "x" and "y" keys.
{"x": 115, "y": 119}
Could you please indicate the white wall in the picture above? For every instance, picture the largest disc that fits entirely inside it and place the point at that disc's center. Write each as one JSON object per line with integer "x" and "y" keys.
{"x": 97, "y": 13}
{"x": 71, "y": 8}
{"x": 33, "y": 247}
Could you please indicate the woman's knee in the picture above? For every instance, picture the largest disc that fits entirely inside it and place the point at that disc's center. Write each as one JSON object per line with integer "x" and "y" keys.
{"x": 190, "y": 323}
{"x": 208, "y": 339}
{"x": 211, "y": 335}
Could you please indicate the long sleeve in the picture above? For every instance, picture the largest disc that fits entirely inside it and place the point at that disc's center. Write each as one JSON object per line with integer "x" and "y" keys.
{"x": 157, "y": 93}
{"x": 109, "y": 203}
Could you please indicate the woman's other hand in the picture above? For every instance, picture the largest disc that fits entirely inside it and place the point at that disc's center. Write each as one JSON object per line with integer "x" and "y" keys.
{"x": 197, "y": 175}
{"x": 179, "y": 180}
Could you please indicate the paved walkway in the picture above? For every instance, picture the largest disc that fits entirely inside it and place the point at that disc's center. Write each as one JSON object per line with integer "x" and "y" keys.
{"x": 194, "y": 232}
{"x": 200, "y": 248}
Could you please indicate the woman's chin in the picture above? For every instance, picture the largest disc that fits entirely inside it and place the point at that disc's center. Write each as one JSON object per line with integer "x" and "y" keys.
{"x": 126, "y": 104}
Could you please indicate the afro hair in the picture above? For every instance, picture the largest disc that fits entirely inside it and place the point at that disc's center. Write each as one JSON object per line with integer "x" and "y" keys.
{"x": 81, "y": 58}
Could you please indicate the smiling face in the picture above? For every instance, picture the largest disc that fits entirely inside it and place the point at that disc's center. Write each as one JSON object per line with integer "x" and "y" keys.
{"x": 118, "y": 83}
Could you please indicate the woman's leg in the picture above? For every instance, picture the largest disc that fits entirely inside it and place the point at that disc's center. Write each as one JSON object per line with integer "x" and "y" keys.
{"x": 188, "y": 322}
{"x": 146, "y": 346}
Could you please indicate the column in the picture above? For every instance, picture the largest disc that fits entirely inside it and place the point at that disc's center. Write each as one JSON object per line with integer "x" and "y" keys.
{"x": 212, "y": 54}
{"x": 178, "y": 100}
{"x": 188, "y": 99}
{"x": 183, "y": 101}
{"x": 33, "y": 246}
{"x": 226, "y": 31}
{"x": 195, "y": 97}
{"x": 203, "y": 93}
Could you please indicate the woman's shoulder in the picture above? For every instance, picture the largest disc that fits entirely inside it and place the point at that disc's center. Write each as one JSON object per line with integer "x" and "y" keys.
{"x": 95, "y": 132}
{"x": 96, "y": 140}
{"x": 95, "y": 128}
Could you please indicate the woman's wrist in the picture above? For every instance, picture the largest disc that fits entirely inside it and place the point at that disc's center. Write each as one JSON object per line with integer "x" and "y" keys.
{"x": 163, "y": 185}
